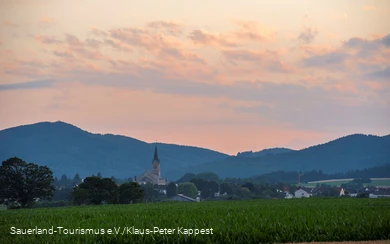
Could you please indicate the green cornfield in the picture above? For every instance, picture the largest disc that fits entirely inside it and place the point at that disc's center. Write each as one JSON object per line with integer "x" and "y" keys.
{"x": 252, "y": 221}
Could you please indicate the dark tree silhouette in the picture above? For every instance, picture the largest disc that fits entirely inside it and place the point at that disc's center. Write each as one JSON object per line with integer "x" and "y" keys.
{"x": 188, "y": 188}
{"x": 171, "y": 190}
{"x": 130, "y": 192}
{"x": 95, "y": 190}
{"x": 22, "y": 183}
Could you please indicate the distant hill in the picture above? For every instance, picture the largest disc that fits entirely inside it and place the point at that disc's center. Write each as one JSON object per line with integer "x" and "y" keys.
{"x": 351, "y": 152}
{"x": 273, "y": 151}
{"x": 68, "y": 150}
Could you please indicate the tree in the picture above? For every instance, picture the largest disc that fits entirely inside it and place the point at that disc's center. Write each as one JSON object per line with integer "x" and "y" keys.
{"x": 208, "y": 176}
{"x": 244, "y": 192}
{"x": 151, "y": 192}
{"x": 186, "y": 178}
{"x": 22, "y": 183}
{"x": 130, "y": 192}
{"x": 76, "y": 179}
{"x": 208, "y": 189}
{"x": 171, "y": 190}
{"x": 64, "y": 181}
{"x": 293, "y": 189}
{"x": 250, "y": 186}
{"x": 188, "y": 188}
{"x": 95, "y": 190}
{"x": 199, "y": 183}
{"x": 226, "y": 188}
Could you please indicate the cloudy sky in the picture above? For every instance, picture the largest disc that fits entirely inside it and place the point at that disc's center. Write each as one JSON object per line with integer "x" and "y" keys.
{"x": 225, "y": 75}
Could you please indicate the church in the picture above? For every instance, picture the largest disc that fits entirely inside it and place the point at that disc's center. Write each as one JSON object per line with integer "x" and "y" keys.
{"x": 154, "y": 176}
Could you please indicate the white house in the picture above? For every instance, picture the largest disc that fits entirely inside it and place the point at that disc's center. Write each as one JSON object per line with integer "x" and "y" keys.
{"x": 288, "y": 195}
{"x": 301, "y": 193}
{"x": 342, "y": 192}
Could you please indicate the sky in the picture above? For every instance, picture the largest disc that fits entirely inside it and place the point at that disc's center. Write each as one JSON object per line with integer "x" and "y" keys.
{"x": 230, "y": 76}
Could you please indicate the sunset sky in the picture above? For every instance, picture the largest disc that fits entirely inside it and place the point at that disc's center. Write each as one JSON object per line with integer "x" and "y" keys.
{"x": 226, "y": 75}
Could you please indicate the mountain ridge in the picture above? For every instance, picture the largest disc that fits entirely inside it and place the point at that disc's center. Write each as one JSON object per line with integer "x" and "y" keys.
{"x": 351, "y": 152}
{"x": 88, "y": 153}
{"x": 67, "y": 149}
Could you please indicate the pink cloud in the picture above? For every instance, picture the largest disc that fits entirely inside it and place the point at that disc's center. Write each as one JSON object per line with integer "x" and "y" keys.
{"x": 180, "y": 54}
{"x": 23, "y": 68}
{"x": 246, "y": 31}
{"x": 265, "y": 60}
{"x": 281, "y": 67}
{"x": 88, "y": 49}
{"x": 63, "y": 54}
{"x": 10, "y": 23}
{"x": 253, "y": 31}
{"x": 72, "y": 40}
{"x": 98, "y": 32}
{"x": 163, "y": 47}
{"x": 47, "y": 39}
{"x": 205, "y": 38}
{"x": 169, "y": 27}
{"x": 316, "y": 49}
{"x": 117, "y": 45}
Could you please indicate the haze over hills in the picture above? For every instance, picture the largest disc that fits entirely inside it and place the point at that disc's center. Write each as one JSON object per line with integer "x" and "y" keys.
{"x": 67, "y": 149}
{"x": 351, "y": 152}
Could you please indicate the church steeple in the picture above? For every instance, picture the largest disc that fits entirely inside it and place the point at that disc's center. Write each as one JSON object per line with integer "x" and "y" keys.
{"x": 155, "y": 158}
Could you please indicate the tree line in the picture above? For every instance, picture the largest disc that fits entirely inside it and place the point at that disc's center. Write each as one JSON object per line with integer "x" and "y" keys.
{"x": 24, "y": 184}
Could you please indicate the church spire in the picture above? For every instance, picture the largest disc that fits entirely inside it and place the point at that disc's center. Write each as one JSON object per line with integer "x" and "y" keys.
{"x": 156, "y": 155}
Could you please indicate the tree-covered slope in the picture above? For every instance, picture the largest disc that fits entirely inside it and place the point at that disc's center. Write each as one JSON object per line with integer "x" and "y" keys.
{"x": 67, "y": 149}
{"x": 347, "y": 153}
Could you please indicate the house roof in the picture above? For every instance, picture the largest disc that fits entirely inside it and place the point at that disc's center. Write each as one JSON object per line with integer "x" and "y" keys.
{"x": 186, "y": 197}
{"x": 301, "y": 191}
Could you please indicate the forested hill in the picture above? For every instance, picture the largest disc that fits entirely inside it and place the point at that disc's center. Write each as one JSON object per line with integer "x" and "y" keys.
{"x": 67, "y": 149}
{"x": 272, "y": 151}
{"x": 351, "y": 152}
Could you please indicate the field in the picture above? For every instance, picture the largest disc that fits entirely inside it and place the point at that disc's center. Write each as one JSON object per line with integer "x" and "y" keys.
{"x": 253, "y": 221}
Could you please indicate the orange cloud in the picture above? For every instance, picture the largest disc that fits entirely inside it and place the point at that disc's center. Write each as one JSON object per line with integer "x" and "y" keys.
{"x": 372, "y": 8}
{"x": 47, "y": 20}
{"x": 369, "y": 8}
{"x": 253, "y": 31}
{"x": 163, "y": 47}
{"x": 246, "y": 31}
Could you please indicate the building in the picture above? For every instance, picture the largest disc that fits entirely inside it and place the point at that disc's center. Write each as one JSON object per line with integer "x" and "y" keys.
{"x": 154, "y": 176}
{"x": 288, "y": 195}
{"x": 183, "y": 198}
{"x": 301, "y": 193}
